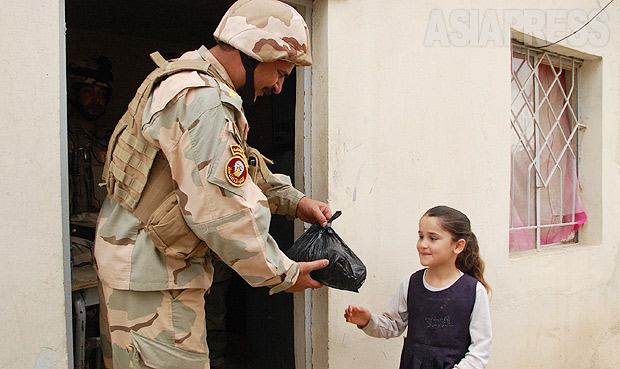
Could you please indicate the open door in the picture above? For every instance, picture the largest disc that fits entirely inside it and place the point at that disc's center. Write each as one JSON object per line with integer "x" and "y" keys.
{"x": 260, "y": 327}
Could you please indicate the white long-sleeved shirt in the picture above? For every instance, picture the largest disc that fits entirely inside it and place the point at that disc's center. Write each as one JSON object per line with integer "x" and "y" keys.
{"x": 394, "y": 320}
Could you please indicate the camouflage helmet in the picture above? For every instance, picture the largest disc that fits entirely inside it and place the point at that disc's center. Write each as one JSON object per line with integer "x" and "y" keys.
{"x": 266, "y": 30}
{"x": 92, "y": 71}
{"x": 96, "y": 71}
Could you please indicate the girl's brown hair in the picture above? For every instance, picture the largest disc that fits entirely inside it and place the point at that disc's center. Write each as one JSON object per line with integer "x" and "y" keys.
{"x": 457, "y": 223}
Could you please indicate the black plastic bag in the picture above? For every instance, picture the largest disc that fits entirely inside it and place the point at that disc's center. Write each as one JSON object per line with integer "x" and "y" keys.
{"x": 345, "y": 270}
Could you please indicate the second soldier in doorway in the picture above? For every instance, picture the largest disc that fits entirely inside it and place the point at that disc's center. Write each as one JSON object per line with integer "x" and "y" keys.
{"x": 90, "y": 89}
{"x": 184, "y": 187}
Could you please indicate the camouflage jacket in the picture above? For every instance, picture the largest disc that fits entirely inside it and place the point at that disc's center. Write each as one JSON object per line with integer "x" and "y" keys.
{"x": 197, "y": 122}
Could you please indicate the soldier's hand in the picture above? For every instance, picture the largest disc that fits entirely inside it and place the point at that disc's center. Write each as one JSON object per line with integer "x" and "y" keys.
{"x": 304, "y": 280}
{"x": 311, "y": 211}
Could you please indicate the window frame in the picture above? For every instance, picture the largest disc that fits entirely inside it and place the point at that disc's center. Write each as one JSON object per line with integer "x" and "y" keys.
{"x": 559, "y": 65}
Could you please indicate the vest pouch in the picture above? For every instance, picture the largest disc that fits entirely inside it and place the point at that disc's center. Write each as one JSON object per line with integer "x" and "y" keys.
{"x": 252, "y": 168}
{"x": 257, "y": 164}
{"x": 170, "y": 233}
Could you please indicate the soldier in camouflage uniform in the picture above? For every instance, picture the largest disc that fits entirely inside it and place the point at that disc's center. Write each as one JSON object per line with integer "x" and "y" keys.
{"x": 90, "y": 89}
{"x": 154, "y": 260}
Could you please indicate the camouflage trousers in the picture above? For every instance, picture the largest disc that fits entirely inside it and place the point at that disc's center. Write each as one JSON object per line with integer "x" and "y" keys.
{"x": 156, "y": 329}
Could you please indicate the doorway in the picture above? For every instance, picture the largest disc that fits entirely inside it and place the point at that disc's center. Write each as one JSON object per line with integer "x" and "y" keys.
{"x": 260, "y": 327}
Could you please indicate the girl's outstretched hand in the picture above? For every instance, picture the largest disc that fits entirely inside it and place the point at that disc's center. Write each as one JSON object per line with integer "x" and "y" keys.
{"x": 357, "y": 315}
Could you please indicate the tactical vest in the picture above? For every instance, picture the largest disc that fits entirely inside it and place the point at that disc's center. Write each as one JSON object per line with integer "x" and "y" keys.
{"x": 137, "y": 174}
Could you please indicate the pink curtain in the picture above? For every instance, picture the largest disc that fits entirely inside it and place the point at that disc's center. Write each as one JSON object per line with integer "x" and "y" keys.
{"x": 559, "y": 200}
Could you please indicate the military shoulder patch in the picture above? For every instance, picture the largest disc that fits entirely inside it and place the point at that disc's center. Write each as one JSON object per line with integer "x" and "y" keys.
{"x": 237, "y": 150}
{"x": 237, "y": 170}
{"x": 237, "y": 167}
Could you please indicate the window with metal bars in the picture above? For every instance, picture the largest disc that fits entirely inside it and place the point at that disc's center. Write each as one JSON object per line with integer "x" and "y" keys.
{"x": 545, "y": 199}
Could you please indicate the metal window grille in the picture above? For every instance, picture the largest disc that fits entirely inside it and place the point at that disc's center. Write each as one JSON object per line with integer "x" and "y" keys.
{"x": 545, "y": 130}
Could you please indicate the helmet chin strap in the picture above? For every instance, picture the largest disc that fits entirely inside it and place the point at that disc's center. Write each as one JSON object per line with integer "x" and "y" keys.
{"x": 247, "y": 93}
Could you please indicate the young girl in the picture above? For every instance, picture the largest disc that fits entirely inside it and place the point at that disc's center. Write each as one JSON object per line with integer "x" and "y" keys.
{"x": 445, "y": 305}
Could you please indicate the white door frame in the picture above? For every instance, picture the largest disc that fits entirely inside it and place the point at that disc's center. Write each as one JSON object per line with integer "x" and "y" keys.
{"x": 302, "y": 302}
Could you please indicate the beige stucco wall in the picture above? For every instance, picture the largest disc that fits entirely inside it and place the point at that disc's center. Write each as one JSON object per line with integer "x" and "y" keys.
{"x": 32, "y": 305}
{"x": 404, "y": 127}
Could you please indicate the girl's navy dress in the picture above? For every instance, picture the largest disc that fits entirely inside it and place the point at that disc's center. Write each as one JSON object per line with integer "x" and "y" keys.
{"x": 438, "y": 335}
